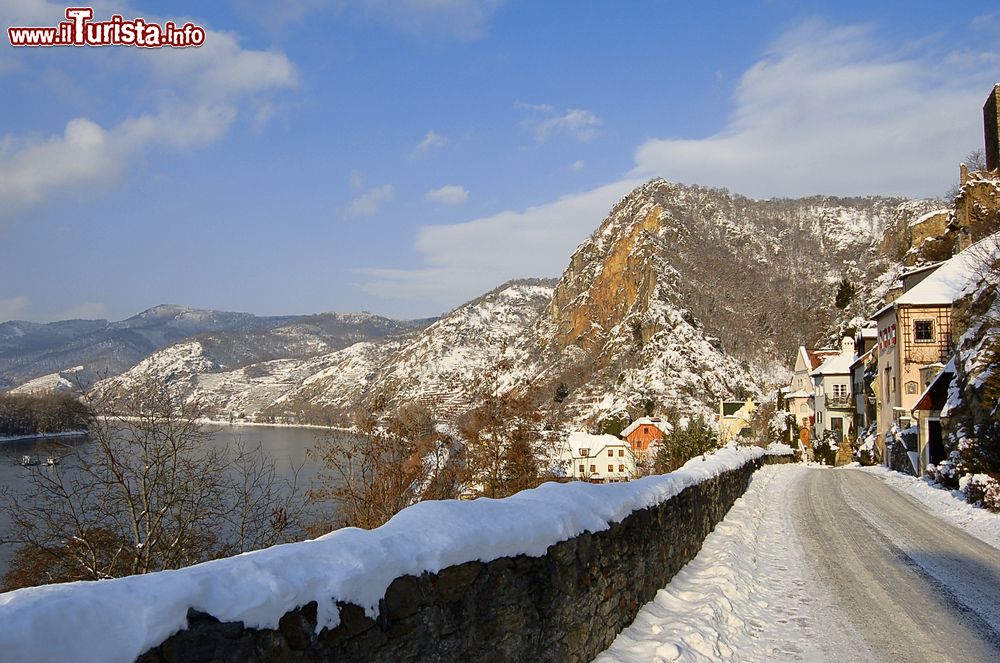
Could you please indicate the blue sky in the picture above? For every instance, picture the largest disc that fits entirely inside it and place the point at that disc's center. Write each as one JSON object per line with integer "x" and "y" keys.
{"x": 404, "y": 156}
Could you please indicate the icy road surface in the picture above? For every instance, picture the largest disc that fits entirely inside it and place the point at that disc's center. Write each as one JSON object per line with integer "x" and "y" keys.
{"x": 815, "y": 564}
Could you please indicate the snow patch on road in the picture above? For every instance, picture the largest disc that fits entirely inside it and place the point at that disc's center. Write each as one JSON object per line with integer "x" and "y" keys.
{"x": 949, "y": 505}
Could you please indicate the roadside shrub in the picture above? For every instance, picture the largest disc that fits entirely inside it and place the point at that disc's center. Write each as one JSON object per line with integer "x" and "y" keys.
{"x": 981, "y": 490}
{"x": 865, "y": 452}
{"x": 945, "y": 472}
{"x": 825, "y": 448}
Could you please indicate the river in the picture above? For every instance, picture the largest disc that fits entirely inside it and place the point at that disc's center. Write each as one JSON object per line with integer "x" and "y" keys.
{"x": 286, "y": 445}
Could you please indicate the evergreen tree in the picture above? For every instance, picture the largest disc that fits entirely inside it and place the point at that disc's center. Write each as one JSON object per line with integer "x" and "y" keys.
{"x": 845, "y": 293}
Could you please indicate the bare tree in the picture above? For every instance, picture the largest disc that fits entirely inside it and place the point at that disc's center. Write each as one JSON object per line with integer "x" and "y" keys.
{"x": 381, "y": 469}
{"x": 148, "y": 493}
{"x": 503, "y": 441}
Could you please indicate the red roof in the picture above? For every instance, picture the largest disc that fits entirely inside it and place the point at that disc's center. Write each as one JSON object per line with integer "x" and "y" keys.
{"x": 817, "y": 357}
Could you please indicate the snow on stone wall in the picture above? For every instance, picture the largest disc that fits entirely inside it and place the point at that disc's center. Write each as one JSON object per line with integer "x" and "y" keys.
{"x": 116, "y": 620}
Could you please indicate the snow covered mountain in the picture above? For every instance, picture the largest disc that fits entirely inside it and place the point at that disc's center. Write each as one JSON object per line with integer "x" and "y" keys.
{"x": 30, "y": 350}
{"x": 435, "y": 367}
{"x": 684, "y": 295}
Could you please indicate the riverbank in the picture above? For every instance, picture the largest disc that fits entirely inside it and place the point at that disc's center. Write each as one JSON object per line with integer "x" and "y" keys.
{"x": 41, "y": 436}
{"x": 240, "y": 424}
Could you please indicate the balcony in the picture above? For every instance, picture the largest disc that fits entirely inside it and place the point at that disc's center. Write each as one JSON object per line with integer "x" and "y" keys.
{"x": 839, "y": 403}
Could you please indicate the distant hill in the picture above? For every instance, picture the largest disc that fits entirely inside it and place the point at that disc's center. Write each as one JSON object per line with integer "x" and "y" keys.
{"x": 31, "y": 350}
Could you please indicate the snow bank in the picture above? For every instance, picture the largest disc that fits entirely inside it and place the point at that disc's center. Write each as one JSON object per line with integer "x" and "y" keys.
{"x": 947, "y": 504}
{"x": 778, "y": 449}
{"x": 116, "y": 620}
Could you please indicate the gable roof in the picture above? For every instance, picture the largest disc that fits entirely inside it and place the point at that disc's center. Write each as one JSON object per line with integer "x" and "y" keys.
{"x": 936, "y": 393}
{"x": 814, "y": 357}
{"x": 951, "y": 279}
{"x": 655, "y": 421}
{"x": 839, "y": 364}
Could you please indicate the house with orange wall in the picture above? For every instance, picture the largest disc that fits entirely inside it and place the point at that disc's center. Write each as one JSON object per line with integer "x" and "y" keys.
{"x": 645, "y": 432}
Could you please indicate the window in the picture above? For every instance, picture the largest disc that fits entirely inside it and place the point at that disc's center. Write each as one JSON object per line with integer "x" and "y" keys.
{"x": 611, "y": 452}
{"x": 611, "y": 468}
{"x": 819, "y": 417}
{"x": 804, "y": 407}
{"x": 923, "y": 331}
{"x": 621, "y": 452}
{"x": 584, "y": 452}
{"x": 840, "y": 391}
{"x": 581, "y": 469}
{"x": 621, "y": 468}
{"x": 593, "y": 468}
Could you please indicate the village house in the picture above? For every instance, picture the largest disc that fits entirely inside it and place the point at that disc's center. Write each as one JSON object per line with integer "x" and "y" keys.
{"x": 799, "y": 399}
{"x": 862, "y": 371}
{"x": 833, "y": 404}
{"x": 734, "y": 418}
{"x": 928, "y": 413}
{"x": 598, "y": 458}
{"x": 644, "y": 434}
{"x": 914, "y": 345}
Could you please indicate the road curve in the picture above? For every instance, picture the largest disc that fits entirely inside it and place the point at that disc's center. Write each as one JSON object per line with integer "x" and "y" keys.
{"x": 915, "y": 587}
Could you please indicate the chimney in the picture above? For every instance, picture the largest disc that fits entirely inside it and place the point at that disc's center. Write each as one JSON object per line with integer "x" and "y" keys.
{"x": 847, "y": 346}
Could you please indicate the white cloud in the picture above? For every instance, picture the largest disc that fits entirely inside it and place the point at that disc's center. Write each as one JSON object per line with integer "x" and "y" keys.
{"x": 13, "y": 308}
{"x": 544, "y": 122}
{"x": 371, "y": 201}
{"x": 431, "y": 141}
{"x": 450, "y": 194}
{"x": 823, "y": 112}
{"x": 203, "y": 90}
{"x": 467, "y": 259}
{"x": 826, "y": 112}
{"x": 577, "y": 166}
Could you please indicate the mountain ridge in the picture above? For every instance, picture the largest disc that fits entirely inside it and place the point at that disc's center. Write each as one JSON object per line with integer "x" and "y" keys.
{"x": 683, "y": 296}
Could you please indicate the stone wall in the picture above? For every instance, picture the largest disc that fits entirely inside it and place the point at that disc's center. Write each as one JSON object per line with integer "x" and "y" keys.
{"x": 567, "y": 605}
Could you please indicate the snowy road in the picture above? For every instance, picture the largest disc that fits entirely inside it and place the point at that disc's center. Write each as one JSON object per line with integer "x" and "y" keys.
{"x": 815, "y": 564}
{"x": 917, "y": 588}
